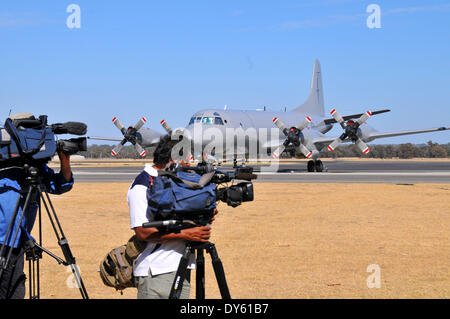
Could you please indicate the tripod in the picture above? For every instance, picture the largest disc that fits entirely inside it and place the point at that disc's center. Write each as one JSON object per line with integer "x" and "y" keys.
{"x": 210, "y": 248}
{"x": 34, "y": 194}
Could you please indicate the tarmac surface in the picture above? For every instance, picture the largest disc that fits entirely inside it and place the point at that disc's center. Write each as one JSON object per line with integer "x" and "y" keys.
{"x": 336, "y": 171}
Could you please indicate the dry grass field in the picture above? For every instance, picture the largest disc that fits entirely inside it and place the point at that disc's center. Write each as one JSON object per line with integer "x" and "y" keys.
{"x": 293, "y": 241}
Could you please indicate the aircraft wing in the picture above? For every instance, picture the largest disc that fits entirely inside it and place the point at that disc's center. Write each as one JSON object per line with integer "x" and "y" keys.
{"x": 272, "y": 144}
{"x": 105, "y": 138}
{"x": 353, "y": 116}
{"x": 375, "y": 135}
{"x": 320, "y": 142}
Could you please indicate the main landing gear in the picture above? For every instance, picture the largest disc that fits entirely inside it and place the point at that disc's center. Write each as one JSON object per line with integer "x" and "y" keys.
{"x": 315, "y": 166}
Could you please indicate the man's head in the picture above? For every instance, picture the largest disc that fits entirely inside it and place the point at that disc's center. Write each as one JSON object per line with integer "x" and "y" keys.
{"x": 163, "y": 152}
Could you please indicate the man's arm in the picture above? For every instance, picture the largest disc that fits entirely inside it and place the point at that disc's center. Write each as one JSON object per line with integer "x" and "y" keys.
{"x": 197, "y": 234}
{"x": 66, "y": 170}
{"x": 61, "y": 182}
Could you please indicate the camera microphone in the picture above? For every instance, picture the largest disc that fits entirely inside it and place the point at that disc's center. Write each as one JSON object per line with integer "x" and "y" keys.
{"x": 75, "y": 128}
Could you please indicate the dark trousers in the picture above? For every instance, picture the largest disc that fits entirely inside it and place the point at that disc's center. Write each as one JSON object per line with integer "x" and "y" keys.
{"x": 12, "y": 282}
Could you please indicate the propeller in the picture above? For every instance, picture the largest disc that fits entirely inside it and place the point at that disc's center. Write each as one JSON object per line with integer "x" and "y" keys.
{"x": 294, "y": 136}
{"x": 130, "y": 135}
{"x": 180, "y": 134}
{"x": 350, "y": 131}
{"x": 167, "y": 127}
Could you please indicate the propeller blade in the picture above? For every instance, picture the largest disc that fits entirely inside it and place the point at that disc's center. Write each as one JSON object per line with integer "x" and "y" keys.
{"x": 115, "y": 151}
{"x": 364, "y": 117}
{"x": 140, "y": 123}
{"x": 140, "y": 150}
{"x": 119, "y": 125}
{"x": 278, "y": 151}
{"x": 334, "y": 144}
{"x": 280, "y": 125}
{"x": 305, "y": 151}
{"x": 362, "y": 146}
{"x": 338, "y": 118}
{"x": 304, "y": 124}
{"x": 166, "y": 127}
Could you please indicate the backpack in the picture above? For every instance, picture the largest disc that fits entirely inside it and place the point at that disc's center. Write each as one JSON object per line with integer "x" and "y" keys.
{"x": 116, "y": 269}
{"x": 180, "y": 194}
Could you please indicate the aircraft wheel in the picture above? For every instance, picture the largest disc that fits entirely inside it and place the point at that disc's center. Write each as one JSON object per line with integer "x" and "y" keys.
{"x": 311, "y": 166}
{"x": 318, "y": 166}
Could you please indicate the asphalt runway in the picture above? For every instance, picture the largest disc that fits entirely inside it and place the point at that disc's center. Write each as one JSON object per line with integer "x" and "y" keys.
{"x": 337, "y": 171}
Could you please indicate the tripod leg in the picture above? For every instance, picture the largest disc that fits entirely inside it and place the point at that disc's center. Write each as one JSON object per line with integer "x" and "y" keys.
{"x": 33, "y": 281}
{"x": 64, "y": 244}
{"x": 200, "y": 275}
{"x": 5, "y": 261}
{"x": 219, "y": 272}
{"x": 177, "y": 285}
{"x": 33, "y": 254}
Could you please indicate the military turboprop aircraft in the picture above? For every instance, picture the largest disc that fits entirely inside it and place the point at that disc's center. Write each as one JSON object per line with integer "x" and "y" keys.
{"x": 301, "y": 130}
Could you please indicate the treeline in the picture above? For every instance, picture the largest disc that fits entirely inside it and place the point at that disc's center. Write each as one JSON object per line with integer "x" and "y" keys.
{"x": 404, "y": 151}
{"x": 104, "y": 151}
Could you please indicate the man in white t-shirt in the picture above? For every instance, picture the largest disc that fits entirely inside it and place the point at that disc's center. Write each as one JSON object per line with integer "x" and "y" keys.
{"x": 156, "y": 266}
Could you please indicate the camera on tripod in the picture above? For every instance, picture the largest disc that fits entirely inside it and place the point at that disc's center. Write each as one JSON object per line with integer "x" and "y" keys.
{"x": 26, "y": 145}
{"x": 186, "y": 196}
{"x": 26, "y": 138}
{"x": 233, "y": 195}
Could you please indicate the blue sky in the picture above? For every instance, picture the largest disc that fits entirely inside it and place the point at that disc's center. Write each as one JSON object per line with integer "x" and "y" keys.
{"x": 167, "y": 60}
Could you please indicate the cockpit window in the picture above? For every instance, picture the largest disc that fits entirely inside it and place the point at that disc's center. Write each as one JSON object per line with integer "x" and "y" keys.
{"x": 206, "y": 120}
{"x": 195, "y": 120}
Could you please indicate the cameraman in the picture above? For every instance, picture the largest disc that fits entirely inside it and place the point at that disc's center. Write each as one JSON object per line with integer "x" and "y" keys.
{"x": 12, "y": 282}
{"x": 155, "y": 268}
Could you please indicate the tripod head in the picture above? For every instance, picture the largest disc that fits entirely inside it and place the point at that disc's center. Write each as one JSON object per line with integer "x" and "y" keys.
{"x": 32, "y": 175}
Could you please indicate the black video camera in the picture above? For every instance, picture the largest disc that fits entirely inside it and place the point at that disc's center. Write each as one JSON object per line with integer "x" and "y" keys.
{"x": 26, "y": 138}
{"x": 233, "y": 195}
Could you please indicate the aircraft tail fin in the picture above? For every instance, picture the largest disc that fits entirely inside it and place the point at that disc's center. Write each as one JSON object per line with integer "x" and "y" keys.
{"x": 314, "y": 105}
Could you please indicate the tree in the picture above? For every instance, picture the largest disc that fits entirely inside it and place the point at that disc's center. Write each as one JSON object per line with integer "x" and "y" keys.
{"x": 405, "y": 150}
{"x": 436, "y": 150}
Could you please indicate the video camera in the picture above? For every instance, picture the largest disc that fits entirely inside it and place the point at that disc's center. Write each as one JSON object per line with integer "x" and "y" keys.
{"x": 233, "y": 195}
{"x": 25, "y": 138}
